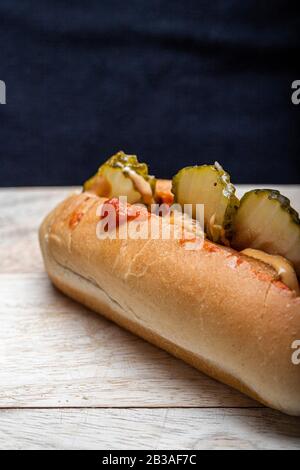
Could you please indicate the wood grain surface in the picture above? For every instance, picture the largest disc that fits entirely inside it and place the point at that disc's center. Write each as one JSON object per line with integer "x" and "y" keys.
{"x": 71, "y": 379}
{"x": 169, "y": 428}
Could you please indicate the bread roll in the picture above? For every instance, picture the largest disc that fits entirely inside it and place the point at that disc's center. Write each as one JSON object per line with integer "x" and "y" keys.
{"x": 224, "y": 313}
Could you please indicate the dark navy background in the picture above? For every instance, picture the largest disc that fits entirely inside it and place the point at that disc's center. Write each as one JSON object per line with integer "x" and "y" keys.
{"x": 176, "y": 81}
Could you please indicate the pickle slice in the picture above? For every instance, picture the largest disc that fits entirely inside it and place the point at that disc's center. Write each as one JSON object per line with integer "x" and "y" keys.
{"x": 209, "y": 185}
{"x": 266, "y": 221}
{"x": 123, "y": 175}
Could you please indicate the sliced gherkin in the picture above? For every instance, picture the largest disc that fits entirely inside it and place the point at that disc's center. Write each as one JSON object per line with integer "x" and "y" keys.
{"x": 208, "y": 185}
{"x": 266, "y": 221}
{"x": 123, "y": 175}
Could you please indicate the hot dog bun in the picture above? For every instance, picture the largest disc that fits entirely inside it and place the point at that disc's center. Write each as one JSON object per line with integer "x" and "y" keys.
{"x": 222, "y": 312}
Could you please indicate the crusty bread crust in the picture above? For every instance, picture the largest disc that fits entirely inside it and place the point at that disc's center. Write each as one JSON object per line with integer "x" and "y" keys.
{"x": 222, "y": 312}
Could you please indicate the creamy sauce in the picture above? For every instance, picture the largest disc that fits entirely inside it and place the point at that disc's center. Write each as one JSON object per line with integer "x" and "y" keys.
{"x": 281, "y": 265}
{"x": 141, "y": 185}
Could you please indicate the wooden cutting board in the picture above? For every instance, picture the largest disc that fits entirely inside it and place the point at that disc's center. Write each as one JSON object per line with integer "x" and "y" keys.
{"x": 71, "y": 379}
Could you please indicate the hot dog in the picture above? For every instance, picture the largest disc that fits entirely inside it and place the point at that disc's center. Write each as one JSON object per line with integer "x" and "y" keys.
{"x": 226, "y": 311}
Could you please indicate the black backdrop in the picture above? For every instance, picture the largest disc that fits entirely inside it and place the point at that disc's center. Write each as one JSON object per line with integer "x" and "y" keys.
{"x": 175, "y": 81}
